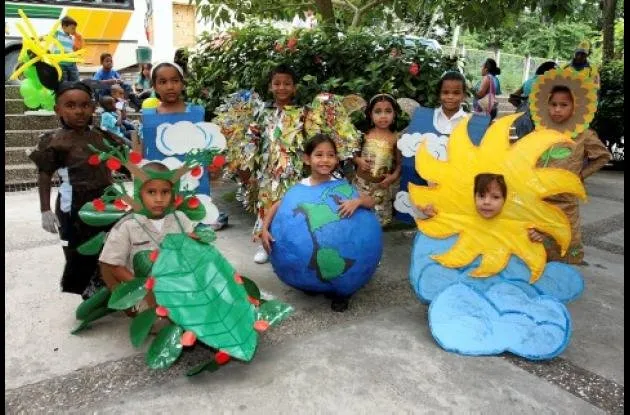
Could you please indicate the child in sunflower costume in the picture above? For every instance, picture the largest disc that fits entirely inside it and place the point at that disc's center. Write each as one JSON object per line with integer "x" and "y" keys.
{"x": 566, "y": 100}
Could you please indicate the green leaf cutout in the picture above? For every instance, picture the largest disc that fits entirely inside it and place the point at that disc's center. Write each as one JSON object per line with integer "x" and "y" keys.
{"x": 166, "y": 348}
{"x": 96, "y": 301}
{"x": 93, "y": 316}
{"x": 196, "y": 284}
{"x": 210, "y": 366}
{"x": 93, "y": 246}
{"x": 141, "y": 326}
{"x": 142, "y": 264}
{"x": 206, "y": 234}
{"x": 274, "y": 311}
{"x": 559, "y": 153}
{"x": 251, "y": 288}
{"x": 128, "y": 294}
{"x": 93, "y": 217}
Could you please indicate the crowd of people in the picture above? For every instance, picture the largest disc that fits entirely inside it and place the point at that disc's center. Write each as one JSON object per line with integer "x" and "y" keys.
{"x": 285, "y": 155}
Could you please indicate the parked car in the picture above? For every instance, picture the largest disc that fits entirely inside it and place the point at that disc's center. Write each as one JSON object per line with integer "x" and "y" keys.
{"x": 412, "y": 41}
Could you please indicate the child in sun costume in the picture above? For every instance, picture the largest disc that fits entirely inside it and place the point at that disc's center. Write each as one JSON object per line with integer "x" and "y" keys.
{"x": 489, "y": 285}
{"x": 566, "y": 100}
{"x": 186, "y": 279}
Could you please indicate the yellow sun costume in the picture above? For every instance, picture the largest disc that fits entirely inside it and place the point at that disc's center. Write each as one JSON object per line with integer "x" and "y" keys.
{"x": 506, "y": 234}
{"x": 586, "y": 156}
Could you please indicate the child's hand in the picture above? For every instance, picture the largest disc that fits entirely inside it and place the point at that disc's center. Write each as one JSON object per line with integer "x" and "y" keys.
{"x": 362, "y": 164}
{"x": 194, "y": 236}
{"x": 266, "y": 239}
{"x": 347, "y": 208}
{"x": 387, "y": 181}
{"x": 428, "y": 210}
{"x": 535, "y": 236}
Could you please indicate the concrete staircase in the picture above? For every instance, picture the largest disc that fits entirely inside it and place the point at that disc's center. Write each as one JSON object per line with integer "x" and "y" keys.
{"x": 21, "y": 134}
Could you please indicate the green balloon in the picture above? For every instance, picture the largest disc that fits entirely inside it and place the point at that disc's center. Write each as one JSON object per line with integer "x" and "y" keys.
{"x": 28, "y": 88}
{"x": 47, "y": 99}
{"x": 32, "y": 101}
{"x": 31, "y": 73}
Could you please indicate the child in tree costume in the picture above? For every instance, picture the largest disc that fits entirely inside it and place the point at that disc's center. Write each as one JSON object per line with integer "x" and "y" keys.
{"x": 175, "y": 271}
{"x": 566, "y": 100}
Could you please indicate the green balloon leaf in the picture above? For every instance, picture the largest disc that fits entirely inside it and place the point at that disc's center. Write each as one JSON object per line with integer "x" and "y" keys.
{"x": 93, "y": 217}
{"x": 251, "y": 288}
{"x": 141, "y": 326}
{"x": 93, "y": 245}
{"x": 274, "y": 311}
{"x": 93, "y": 316}
{"x": 96, "y": 301}
{"x": 208, "y": 366}
{"x": 128, "y": 294}
{"x": 205, "y": 234}
{"x": 166, "y": 348}
{"x": 142, "y": 264}
{"x": 196, "y": 214}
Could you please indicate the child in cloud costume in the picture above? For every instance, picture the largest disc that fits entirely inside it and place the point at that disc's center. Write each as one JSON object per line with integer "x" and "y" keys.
{"x": 176, "y": 275}
{"x": 489, "y": 286}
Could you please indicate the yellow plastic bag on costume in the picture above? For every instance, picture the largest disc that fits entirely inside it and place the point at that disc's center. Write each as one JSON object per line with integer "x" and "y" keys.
{"x": 506, "y": 234}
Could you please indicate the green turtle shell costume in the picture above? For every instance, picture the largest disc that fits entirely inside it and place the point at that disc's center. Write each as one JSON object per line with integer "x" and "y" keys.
{"x": 203, "y": 296}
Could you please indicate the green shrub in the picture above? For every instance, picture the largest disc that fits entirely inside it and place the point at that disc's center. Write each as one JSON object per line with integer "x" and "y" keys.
{"x": 326, "y": 60}
{"x": 608, "y": 120}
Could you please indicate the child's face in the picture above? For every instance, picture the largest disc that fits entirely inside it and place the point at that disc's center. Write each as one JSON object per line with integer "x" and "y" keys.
{"x": 75, "y": 107}
{"x": 156, "y": 196}
{"x": 118, "y": 93}
{"x": 168, "y": 84}
{"x": 108, "y": 63}
{"x": 70, "y": 29}
{"x": 282, "y": 88}
{"x": 452, "y": 95}
{"x": 146, "y": 72}
{"x": 322, "y": 160}
{"x": 109, "y": 105}
{"x": 560, "y": 107}
{"x": 382, "y": 114}
{"x": 491, "y": 202}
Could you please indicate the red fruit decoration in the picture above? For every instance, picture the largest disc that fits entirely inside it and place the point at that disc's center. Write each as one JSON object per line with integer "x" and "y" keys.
{"x": 94, "y": 160}
{"x": 261, "y": 325}
{"x": 218, "y": 161}
{"x": 414, "y": 69}
{"x": 135, "y": 157}
{"x": 161, "y": 311}
{"x": 150, "y": 283}
{"x": 196, "y": 172}
{"x": 253, "y": 300}
{"x": 113, "y": 163}
{"x": 221, "y": 358}
{"x": 193, "y": 203}
{"x": 153, "y": 255}
{"x": 99, "y": 205}
{"x": 120, "y": 205}
{"x": 238, "y": 279}
{"x": 188, "y": 339}
{"x": 179, "y": 199}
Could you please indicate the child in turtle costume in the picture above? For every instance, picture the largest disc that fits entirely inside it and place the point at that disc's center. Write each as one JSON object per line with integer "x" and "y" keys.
{"x": 155, "y": 256}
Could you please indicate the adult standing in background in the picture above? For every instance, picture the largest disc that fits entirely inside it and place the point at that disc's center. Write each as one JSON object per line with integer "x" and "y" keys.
{"x": 486, "y": 90}
{"x": 580, "y": 61}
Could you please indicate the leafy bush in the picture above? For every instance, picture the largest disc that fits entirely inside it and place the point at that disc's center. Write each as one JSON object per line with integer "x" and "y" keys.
{"x": 325, "y": 59}
{"x": 608, "y": 120}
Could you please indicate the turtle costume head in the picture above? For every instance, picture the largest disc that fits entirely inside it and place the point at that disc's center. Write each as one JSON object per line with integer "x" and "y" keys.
{"x": 583, "y": 92}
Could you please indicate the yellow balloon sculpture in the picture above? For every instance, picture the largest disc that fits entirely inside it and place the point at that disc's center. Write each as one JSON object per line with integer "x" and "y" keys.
{"x": 40, "y": 47}
{"x": 150, "y": 103}
{"x": 498, "y": 238}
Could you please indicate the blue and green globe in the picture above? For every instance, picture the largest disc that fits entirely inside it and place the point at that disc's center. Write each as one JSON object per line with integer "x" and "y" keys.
{"x": 318, "y": 251}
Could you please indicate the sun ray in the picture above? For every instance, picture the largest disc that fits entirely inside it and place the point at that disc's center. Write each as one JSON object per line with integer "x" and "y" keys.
{"x": 555, "y": 181}
{"x": 497, "y": 138}
{"x": 437, "y": 228}
{"x": 428, "y": 166}
{"x": 527, "y": 150}
{"x": 462, "y": 253}
{"x": 421, "y": 195}
{"x": 459, "y": 148}
{"x": 491, "y": 264}
{"x": 536, "y": 259}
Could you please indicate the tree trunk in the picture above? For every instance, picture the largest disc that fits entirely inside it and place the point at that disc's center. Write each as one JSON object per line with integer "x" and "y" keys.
{"x": 608, "y": 27}
{"x": 325, "y": 7}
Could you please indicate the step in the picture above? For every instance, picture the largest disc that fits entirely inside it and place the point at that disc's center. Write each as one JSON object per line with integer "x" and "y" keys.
{"x": 20, "y": 173}
{"x": 22, "y": 138}
{"x": 16, "y": 156}
{"x": 42, "y": 122}
{"x": 14, "y": 106}
{"x": 12, "y": 92}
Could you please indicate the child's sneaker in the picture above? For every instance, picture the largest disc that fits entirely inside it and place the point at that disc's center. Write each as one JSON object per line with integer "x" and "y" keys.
{"x": 261, "y": 256}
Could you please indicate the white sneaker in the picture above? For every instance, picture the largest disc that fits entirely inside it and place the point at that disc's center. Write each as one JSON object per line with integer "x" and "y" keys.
{"x": 261, "y": 256}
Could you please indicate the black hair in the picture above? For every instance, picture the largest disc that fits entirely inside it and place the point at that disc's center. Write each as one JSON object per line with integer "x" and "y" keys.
{"x": 483, "y": 181}
{"x": 452, "y": 76}
{"x": 316, "y": 140}
{"x": 382, "y": 98}
{"x": 547, "y": 66}
{"x": 285, "y": 70}
{"x": 105, "y": 55}
{"x": 69, "y": 86}
{"x": 491, "y": 65}
{"x": 150, "y": 65}
{"x": 165, "y": 65}
{"x": 561, "y": 88}
{"x": 106, "y": 100}
{"x": 155, "y": 166}
{"x": 68, "y": 21}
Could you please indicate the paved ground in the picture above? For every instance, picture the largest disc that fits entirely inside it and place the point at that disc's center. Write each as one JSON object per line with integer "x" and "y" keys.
{"x": 378, "y": 357}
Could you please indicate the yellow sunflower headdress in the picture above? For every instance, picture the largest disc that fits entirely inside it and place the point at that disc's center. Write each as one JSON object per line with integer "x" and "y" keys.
{"x": 584, "y": 91}
{"x": 495, "y": 239}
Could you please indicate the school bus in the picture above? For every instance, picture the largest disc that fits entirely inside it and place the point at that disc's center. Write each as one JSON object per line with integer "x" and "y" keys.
{"x": 113, "y": 26}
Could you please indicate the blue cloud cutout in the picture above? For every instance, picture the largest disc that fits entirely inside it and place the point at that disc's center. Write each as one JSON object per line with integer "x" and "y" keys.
{"x": 428, "y": 278}
{"x": 503, "y": 318}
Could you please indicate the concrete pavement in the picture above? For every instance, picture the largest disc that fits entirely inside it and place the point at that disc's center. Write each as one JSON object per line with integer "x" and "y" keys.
{"x": 378, "y": 357}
